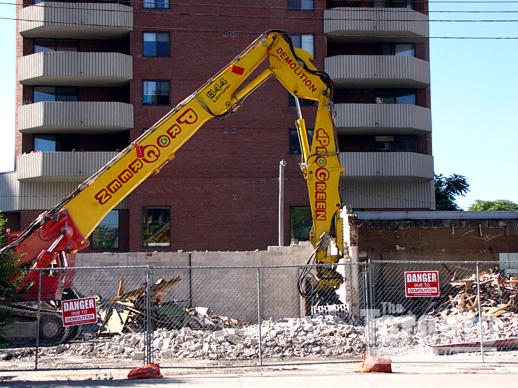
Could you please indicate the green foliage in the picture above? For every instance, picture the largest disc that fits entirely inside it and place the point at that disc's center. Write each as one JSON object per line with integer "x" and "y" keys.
{"x": 10, "y": 274}
{"x": 499, "y": 204}
{"x": 9, "y": 270}
{"x": 447, "y": 189}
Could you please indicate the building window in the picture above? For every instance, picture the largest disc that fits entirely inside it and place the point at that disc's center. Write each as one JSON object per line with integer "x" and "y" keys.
{"x": 300, "y": 223}
{"x": 395, "y": 4}
{"x": 403, "y": 143}
{"x": 157, "y": 227}
{"x": 305, "y": 5}
{"x": 396, "y": 96}
{"x": 40, "y": 45}
{"x": 302, "y": 101}
{"x": 106, "y": 235}
{"x": 304, "y": 41}
{"x": 54, "y": 93}
{"x": 294, "y": 140}
{"x": 156, "y": 3}
{"x": 156, "y": 44}
{"x": 398, "y": 49}
{"x": 156, "y": 92}
{"x": 46, "y": 143}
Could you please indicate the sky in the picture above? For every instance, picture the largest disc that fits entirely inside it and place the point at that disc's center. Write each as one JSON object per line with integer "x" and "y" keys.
{"x": 474, "y": 96}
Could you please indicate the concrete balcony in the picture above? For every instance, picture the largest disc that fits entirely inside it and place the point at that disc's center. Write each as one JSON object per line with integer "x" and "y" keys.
{"x": 363, "y": 23}
{"x": 375, "y": 165}
{"x": 382, "y": 71}
{"x": 75, "y": 20}
{"x": 60, "y": 166}
{"x": 69, "y": 117}
{"x": 382, "y": 119}
{"x": 388, "y": 194}
{"x": 75, "y": 69}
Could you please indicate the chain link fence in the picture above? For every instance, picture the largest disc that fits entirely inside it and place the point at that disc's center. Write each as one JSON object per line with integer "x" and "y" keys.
{"x": 410, "y": 311}
{"x": 441, "y": 311}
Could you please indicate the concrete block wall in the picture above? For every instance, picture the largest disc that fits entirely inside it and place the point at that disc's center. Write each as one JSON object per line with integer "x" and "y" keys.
{"x": 226, "y": 291}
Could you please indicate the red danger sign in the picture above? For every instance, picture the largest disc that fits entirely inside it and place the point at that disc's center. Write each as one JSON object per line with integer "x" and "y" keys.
{"x": 79, "y": 311}
{"x": 421, "y": 284}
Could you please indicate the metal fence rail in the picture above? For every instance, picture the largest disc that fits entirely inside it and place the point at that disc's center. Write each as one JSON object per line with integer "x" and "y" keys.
{"x": 411, "y": 311}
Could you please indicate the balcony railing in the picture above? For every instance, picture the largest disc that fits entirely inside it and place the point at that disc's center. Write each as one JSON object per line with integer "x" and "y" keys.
{"x": 75, "y": 68}
{"x": 378, "y": 71}
{"x": 60, "y": 166}
{"x": 371, "y": 165}
{"x": 68, "y": 116}
{"x": 376, "y": 23}
{"x": 75, "y": 20}
{"x": 382, "y": 119}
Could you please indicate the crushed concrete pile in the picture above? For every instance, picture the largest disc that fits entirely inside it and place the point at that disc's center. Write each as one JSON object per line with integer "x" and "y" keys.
{"x": 322, "y": 336}
{"x": 456, "y": 320}
{"x": 400, "y": 335}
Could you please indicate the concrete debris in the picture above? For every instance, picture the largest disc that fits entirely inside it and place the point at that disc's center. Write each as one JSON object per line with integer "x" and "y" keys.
{"x": 456, "y": 320}
{"x": 328, "y": 337}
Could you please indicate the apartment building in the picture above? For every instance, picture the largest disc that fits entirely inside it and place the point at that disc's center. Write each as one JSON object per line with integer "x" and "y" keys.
{"x": 92, "y": 76}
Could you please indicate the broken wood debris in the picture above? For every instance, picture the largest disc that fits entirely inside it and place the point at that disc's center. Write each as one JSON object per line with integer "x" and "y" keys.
{"x": 497, "y": 295}
{"x": 126, "y": 311}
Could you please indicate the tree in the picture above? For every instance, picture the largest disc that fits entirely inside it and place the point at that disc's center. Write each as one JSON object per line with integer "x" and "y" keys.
{"x": 498, "y": 204}
{"x": 10, "y": 273}
{"x": 447, "y": 189}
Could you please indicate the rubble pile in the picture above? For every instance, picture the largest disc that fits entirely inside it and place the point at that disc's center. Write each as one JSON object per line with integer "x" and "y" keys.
{"x": 322, "y": 336}
{"x": 126, "y": 312}
{"x": 497, "y": 295}
{"x": 456, "y": 320}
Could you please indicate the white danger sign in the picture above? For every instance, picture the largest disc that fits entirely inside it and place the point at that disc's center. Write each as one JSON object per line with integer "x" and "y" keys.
{"x": 421, "y": 284}
{"x": 79, "y": 311}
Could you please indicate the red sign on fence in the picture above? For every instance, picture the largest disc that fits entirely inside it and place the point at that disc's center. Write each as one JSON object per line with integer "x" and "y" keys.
{"x": 421, "y": 284}
{"x": 79, "y": 311}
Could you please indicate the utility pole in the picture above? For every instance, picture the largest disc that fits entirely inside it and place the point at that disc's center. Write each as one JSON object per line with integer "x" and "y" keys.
{"x": 282, "y": 164}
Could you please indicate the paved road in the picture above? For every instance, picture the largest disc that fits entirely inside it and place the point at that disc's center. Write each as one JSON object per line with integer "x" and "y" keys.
{"x": 320, "y": 376}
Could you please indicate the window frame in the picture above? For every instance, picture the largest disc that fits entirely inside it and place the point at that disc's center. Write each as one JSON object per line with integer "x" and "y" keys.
{"x": 291, "y": 145}
{"x": 102, "y": 248}
{"x": 396, "y": 96}
{"x": 156, "y": 44}
{"x": 168, "y": 82}
{"x": 300, "y": 36}
{"x": 307, "y": 217}
{"x": 55, "y": 42}
{"x": 49, "y": 137}
{"x": 144, "y": 216}
{"x": 74, "y": 88}
{"x": 144, "y": 2}
{"x": 299, "y": 6}
{"x": 395, "y": 143}
{"x": 302, "y": 101}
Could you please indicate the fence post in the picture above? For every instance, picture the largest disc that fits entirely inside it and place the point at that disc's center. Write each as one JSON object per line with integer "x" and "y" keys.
{"x": 258, "y": 285}
{"x": 148, "y": 335}
{"x": 38, "y": 320}
{"x": 481, "y": 328}
{"x": 368, "y": 312}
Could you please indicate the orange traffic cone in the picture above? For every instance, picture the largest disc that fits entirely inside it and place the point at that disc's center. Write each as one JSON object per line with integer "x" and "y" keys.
{"x": 150, "y": 371}
{"x": 376, "y": 364}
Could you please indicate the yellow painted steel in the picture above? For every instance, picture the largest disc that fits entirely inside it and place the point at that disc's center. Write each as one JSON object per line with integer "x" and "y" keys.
{"x": 219, "y": 96}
